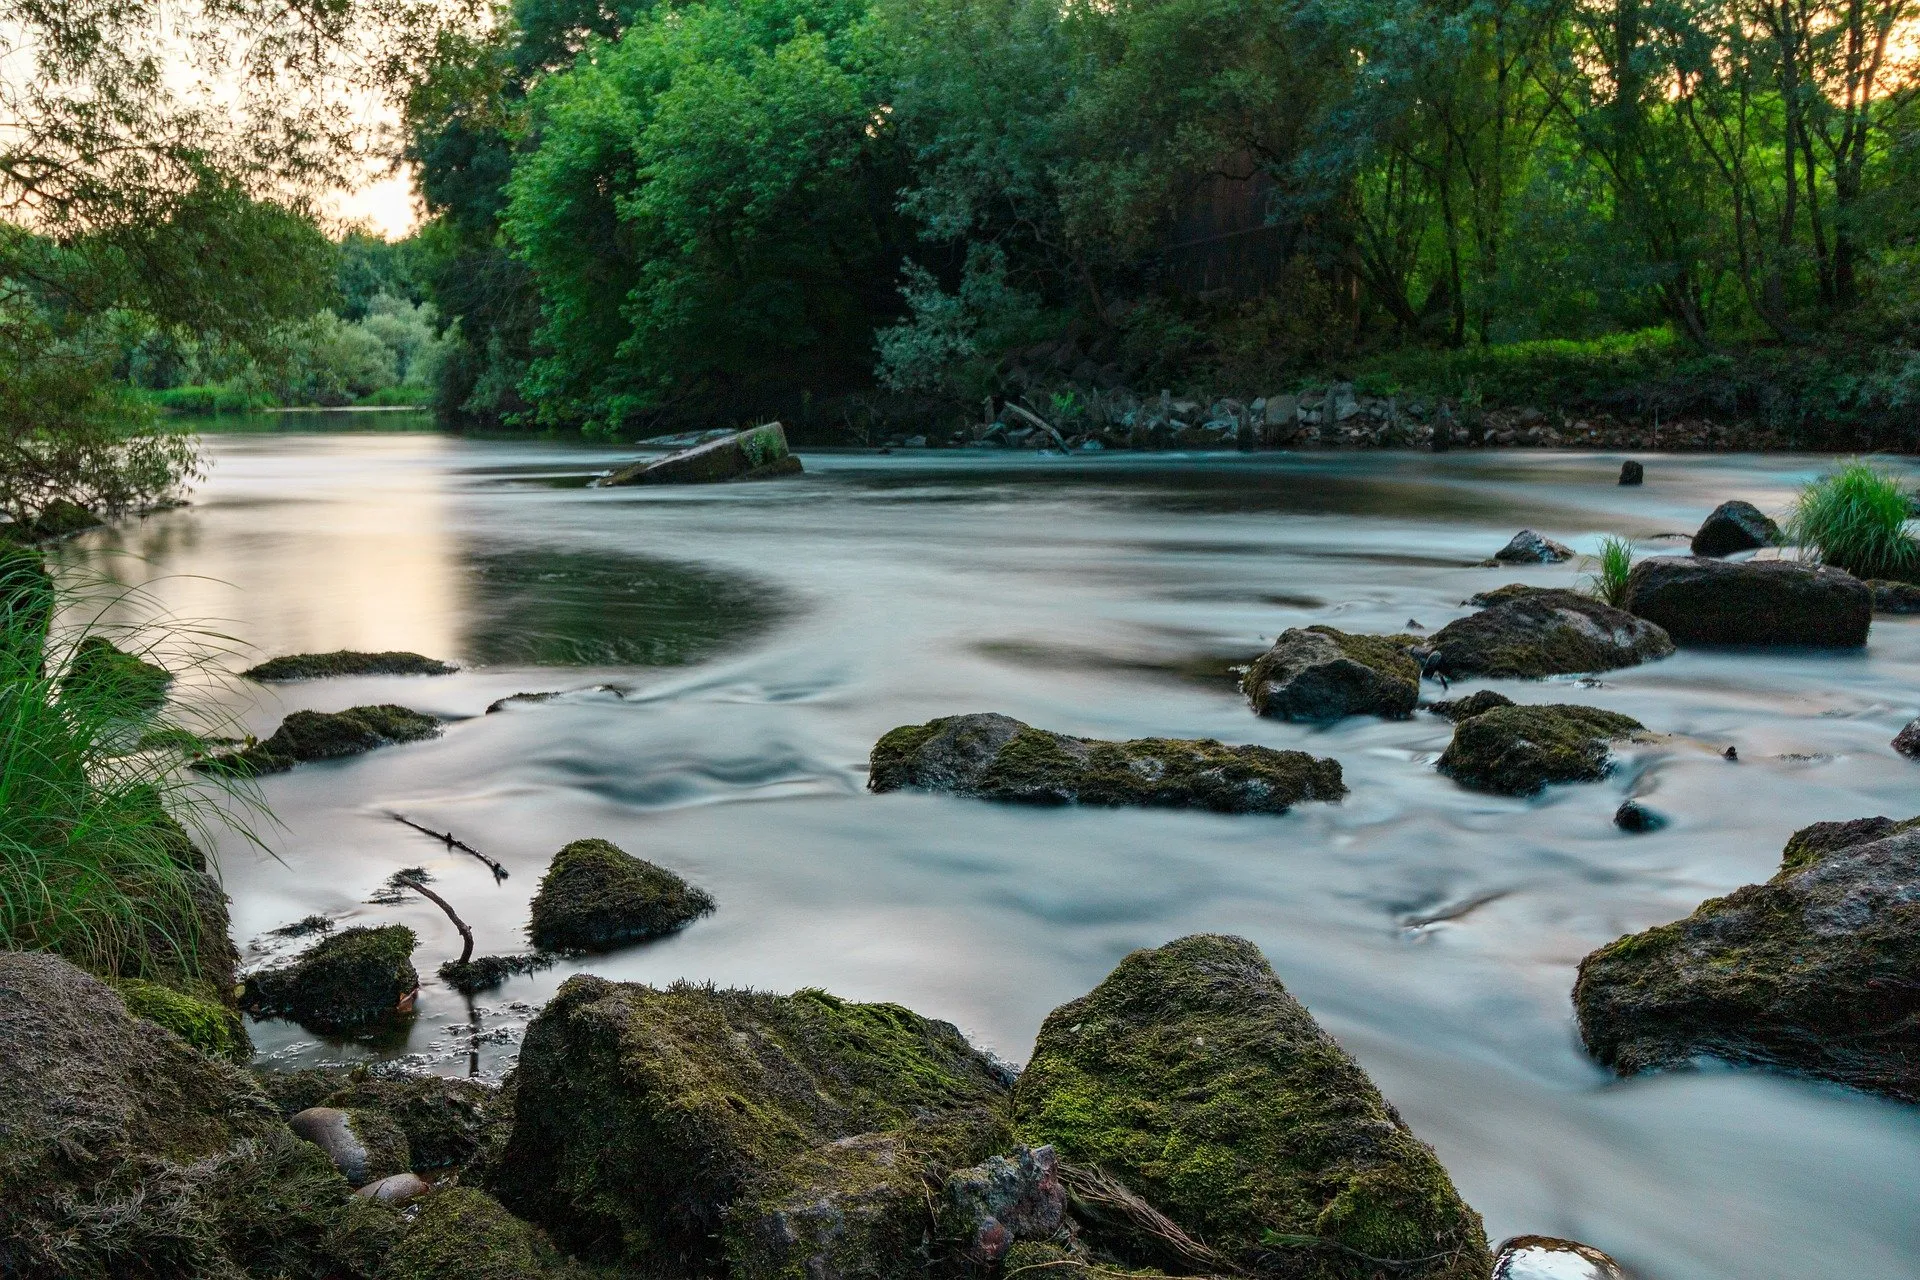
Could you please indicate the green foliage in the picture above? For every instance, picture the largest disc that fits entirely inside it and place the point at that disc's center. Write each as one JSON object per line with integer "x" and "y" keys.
{"x": 206, "y": 1025}
{"x": 1856, "y": 519}
{"x": 1609, "y": 580}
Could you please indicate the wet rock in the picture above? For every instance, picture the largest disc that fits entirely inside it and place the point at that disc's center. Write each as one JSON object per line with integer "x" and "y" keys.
{"x": 1907, "y": 741}
{"x": 348, "y": 662}
{"x": 1476, "y": 703}
{"x": 441, "y": 1119}
{"x": 345, "y": 982}
{"x": 1533, "y": 632}
{"x": 1703, "y": 601}
{"x": 1545, "y": 1258}
{"x": 1518, "y": 751}
{"x": 328, "y": 735}
{"x": 1735, "y": 526}
{"x": 996, "y": 757}
{"x": 464, "y": 1234}
{"x": 1637, "y": 818}
{"x": 395, "y": 1189}
{"x": 106, "y": 676}
{"x": 364, "y": 1146}
{"x": 1006, "y": 1199}
{"x": 63, "y": 519}
{"x": 596, "y": 895}
{"x": 1319, "y": 673}
{"x": 1191, "y": 1077}
{"x": 484, "y": 973}
{"x": 757, "y": 453}
{"x": 1811, "y": 971}
{"x": 1528, "y": 547}
{"x": 1632, "y": 472}
{"x": 1894, "y": 597}
{"x": 643, "y": 1117}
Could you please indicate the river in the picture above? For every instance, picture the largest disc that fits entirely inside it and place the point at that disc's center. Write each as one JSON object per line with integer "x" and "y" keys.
{"x": 729, "y": 654}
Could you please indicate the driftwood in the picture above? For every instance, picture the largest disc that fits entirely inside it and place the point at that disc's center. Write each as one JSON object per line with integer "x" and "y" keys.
{"x": 419, "y": 886}
{"x": 452, "y": 842}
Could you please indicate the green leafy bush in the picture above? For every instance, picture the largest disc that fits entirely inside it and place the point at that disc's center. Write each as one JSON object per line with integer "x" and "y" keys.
{"x": 1856, "y": 519}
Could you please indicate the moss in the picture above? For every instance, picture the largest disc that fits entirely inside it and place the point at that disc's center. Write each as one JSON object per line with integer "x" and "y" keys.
{"x": 595, "y": 896}
{"x": 205, "y": 1024}
{"x": 1386, "y": 654}
{"x": 345, "y": 982}
{"x": 1520, "y": 750}
{"x": 347, "y": 662}
{"x": 1320, "y": 673}
{"x": 464, "y": 1234}
{"x": 385, "y": 1142}
{"x": 1812, "y": 843}
{"x": 294, "y": 1091}
{"x": 1192, "y": 1077}
{"x": 483, "y": 973}
{"x": 1532, "y": 632}
{"x": 1475, "y": 703}
{"x": 326, "y": 735}
{"x": 102, "y": 674}
{"x": 441, "y": 1119}
{"x": 890, "y": 767}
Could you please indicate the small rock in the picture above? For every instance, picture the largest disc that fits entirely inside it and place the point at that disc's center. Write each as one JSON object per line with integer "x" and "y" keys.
{"x": 1319, "y": 673}
{"x": 327, "y": 735}
{"x": 1476, "y": 703}
{"x": 1528, "y": 547}
{"x": 1756, "y": 602}
{"x": 757, "y": 453}
{"x": 344, "y": 982}
{"x": 1735, "y": 526}
{"x": 364, "y": 1145}
{"x": 348, "y": 662}
{"x": 1894, "y": 597}
{"x": 1545, "y": 1258}
{"x": 1907, "y": 741}
{"x": 395, "y": 1189}
{"x": 596, "y": 896}
{"x": 1632, "y": 473}
{"x": 1519, "y": 751}
{"x": 1731, "y": 753}
{"x": 1637, "y": 818}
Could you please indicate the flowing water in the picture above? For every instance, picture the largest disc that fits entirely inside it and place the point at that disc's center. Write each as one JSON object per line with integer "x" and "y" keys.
{"x": 728, "y": 655}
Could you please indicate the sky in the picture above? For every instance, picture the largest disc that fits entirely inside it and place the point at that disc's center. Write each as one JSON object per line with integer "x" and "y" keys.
{"x": 387, "y": 202}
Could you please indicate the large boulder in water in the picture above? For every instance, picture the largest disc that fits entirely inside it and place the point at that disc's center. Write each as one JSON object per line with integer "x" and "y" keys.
{"x": 757, "y": 453}
{"x": 665, "y": 1129}
{"x": 596, "y": 896}
{"x": 1519, "y": 750}
{"x": 1704, "y": 601}
{"x": 1319, "y": 673}
{"x": 1812, "y": 971}
{"x": 998, "y": 758}
{"x": 345, "y": 982}
{"x": 1190, "y": 1077}
{"x": 328, "y": 735}
{"x": 1735, "y": 526}
{"x": 1532, "y": 632}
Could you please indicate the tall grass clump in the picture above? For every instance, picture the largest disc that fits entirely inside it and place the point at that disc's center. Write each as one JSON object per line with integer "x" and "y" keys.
{"x": 1856, "y": 519}
{"x": 1609, "y": 579}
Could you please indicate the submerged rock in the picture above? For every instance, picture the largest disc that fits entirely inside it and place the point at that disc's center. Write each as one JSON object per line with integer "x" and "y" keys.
{"x": 1192, "y": 1078}
{"x": 664, "y": 1129}
{"x": 1533, "y": 632}
{"x": 105, "y": 676}
{"x": 1632, "y": 472}
{"x": 1894, "y": 597}
{"x": 364, "y": 1146}
{"x": 1318, "y": 673}
{"x": 348, "y": 662}
{"x": 442, "y": 1119}
{"x": 484, "y": 973}
{"x": 1528, "y": 547}
{"x": 62, "y": 518}
{"x": 1637, "y": 818}
{"x": 596, "y": 895}
{"x": 1703, "y": 601}
{"x": 464, "y": 1234}
{"x": 328, "y": 735}
{"x": 1735, "y": 526}
{"x": 1907, "y": 741}
{"x": 1518, "y": 750}
{"x": 1545, "y": 1258}
{"x": 1811, "y": 971}
{"x": 345, "y": 982}
{"x": 757, "y": 453}
{"x": 996, "y": 757}
{"x": 1476, "y": 703}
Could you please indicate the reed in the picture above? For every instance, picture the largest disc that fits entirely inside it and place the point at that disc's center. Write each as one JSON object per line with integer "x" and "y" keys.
{"x": 1609, "y": 579}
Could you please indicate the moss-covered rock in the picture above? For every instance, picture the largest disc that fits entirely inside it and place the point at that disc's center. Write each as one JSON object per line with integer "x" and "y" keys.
{"x": 365, "y": 1146}
{"x": 484, "y": 973}
{"x": 292, "y": 1092}
{"x": 442, "y": 1119}
{"x": 348, "y": 662}
{"x": 207, "y": 1025}
{"x": 1754, "y": 602}
{"x": 63, "y": 518}
{"x": 596, "y": 895}
{"x": 345, "y": 982}
{"x": 1518, "y": 750}
{"x": 642, "y": 1117}
{"x": 1319, "y": 673}
{"x": 758, "y": 453}
{"x": 464, "y": 1234}
{"x": 328, "y": 735}
{"x": 1812, "y": 971}
{"x": 996, "y": 757}
{"x": 1475, "y": 703}
{"x": 1532, "y": 632}
{"x": 1192, "y": 1077}
{"x": 102, "y": 675}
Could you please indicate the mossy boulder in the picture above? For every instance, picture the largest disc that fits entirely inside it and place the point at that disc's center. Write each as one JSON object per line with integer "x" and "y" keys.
{"x": 758, "y": 453}
{"x": 347, "y": 662}
{"x": 1735, "y": 526}
{"x": 1520, "y": 750}
{"x": 1532, "y": 632}
{"x": 996, "y": 757}
{"x": 1812, "y": 971}
{"x": 1193, "y": 1078}
{"x": 328, "y": 735}
{"x": 648, "y": 1124}
{"x": 346, "y": 982}
{"x": 464, "y": 1234}
{"x": 102, "y": 675}
{"x": 206, "y": 1024}
{"x": 1476, "y": 703}
{"x": 442, "y": 1119}
{"x": 63, "y": 518}
{"x": 596, "y": 896}
{"x": 1319, "y": 673}
{"x": 1754, "y": 602}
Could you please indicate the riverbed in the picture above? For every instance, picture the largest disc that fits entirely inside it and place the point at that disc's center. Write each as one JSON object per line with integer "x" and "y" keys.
{"x": 726, "y": 656}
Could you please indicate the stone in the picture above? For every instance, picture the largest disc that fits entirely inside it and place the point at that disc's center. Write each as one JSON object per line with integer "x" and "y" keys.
{"x": 1735, "y": 526}
{"x": 395, "y": 1189}
{"x": 1894, "y": 597}
{"x": 996, "y": 757}
{"x": 348, "y": 662}
{"x": 1528, "y": 547}
{"x": 660, "y": 1130}
{"x": 364, "y": 1145}
{"x": 1637, "y": 818}
{"x": 1632, "y": 472}
{"x": 464, "y": 1234}
{"x": 484, "y": 973}
{"x": 1518, "y": 751}
{"x": 1192, "y": 1079}
{"x": 1754, "y": 602}
{"x": 346, "y": 982}
{"x": 1006, "y": 1199}
{"x": 1475, "y": 703}
{"x": 441, "y": 1119}
{"x": 596, "y": 896}
{"x": 1907, "y": 741}
{"x": 1810, "y": 972}
{"x": 327, "y": 735}
{"x": 1546, "y": 1258}
{"x": 1533, "y": 632}
{"x": 758, "y": 453}
{"x": 106, "y": 676}
{"x": 1320, "y": 673}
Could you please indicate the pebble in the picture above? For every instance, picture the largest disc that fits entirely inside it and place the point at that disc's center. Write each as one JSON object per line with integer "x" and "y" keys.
{"x": 395, "y": 1189}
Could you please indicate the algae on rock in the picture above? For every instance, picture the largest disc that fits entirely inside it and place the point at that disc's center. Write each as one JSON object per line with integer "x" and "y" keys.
{"x": 1528, "y": 633}
{"x": 345, "y": 982}
{"x": 1519, "y": 750}
{"x": 328, "y": 735}
{"x": 596, "y": 896}
{"x": 1319, "y": 673}
{"x": 347, "y": 662}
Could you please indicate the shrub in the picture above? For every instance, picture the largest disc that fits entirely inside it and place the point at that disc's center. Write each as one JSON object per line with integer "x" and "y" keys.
{"x": 1856, "y": 519}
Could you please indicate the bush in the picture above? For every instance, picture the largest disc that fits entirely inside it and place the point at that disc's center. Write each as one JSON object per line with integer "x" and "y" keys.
{"x": 1856, "y": 519}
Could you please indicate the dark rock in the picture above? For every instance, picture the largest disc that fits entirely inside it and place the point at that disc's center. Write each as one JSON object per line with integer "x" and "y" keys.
{"x": 1637, "y": 818}
{"x": 345, "y": 982}
{"x": 1195, "y": 1080}
{"x": 441, "y": 1119}
{"x": 1476, "y": 703}
{"x": 1532, "y": 632}
{"x": 364, "y": 1145}
{"x": 1907, "y": 741}
{"x": 757, "y": 453}
{"x": 595, "y": 896}
{"x": 1703, "y": 601}
{"x": 292, "y": 1092}
{"x": 395, "y": 1189}
{"x": 1894, "y": 597}
{"x": 484, "y": 973}
{"x": 102, "y": 675}
{"x": 1528, "y": 547}
{"x": 348, "y": 662}
{"x": 996, "y": 757}
{"x": 1735, "y": 526}
{"x": 464, "y": 1234}
{"x": 1545, "y": 1258}
{"x": 1318, "y": 673}
{"x": 1006, "y": 1199}
{"x": 1632, "y": 472}
{"x": 1811, "y": 971}
{"x": 63, "y": 519}
{"x": 328, "y": 735}
{"x": 643, "y": 1117}
{"x": 1518, "y": 751}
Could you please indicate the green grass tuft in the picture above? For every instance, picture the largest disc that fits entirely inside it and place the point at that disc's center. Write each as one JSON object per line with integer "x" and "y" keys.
{"x": 1609, "y": 580}
{"x": 1856, "y": 519}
